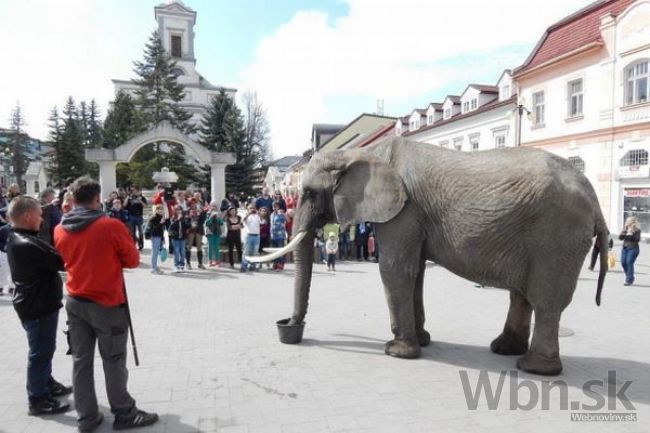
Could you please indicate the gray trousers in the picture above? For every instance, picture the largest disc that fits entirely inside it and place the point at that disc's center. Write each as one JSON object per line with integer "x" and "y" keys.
{"x": 108, "y": 326}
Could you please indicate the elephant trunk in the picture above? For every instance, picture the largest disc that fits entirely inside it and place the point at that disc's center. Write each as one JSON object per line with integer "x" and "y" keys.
{"x": 304, "y": 260}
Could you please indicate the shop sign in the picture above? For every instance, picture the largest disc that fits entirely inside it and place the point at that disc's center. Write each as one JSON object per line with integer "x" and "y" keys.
{"x": 634, "y": 171}
{"x": 637, "y": 192}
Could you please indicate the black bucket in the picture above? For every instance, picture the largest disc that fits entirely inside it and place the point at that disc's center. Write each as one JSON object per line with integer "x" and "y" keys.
{"x": 290, "y": 334}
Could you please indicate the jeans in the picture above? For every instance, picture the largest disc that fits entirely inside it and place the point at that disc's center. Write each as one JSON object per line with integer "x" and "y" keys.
{"x": 251, "y": 247}
{"x": 156, "y": 243}
{"x": 41, "y": 337}
{"x": 179, "y": 253}
{"x": 278, "y": 243}
{"x": 331, "y": 260}
{"x": 214, "y": 242}
{"x": 91, "y": 325}
{"x": 135, "y": 224}
{"x": 628, "y": 257}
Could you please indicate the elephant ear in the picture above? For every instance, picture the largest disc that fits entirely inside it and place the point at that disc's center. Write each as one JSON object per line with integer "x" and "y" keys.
{"x": 367, "y": 189}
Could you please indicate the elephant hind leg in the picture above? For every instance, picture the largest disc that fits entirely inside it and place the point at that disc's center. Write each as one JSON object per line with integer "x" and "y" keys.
{"x": 516, "y": 332}
{"x": 548, "y": 297}
{"x": 424, "y": 338}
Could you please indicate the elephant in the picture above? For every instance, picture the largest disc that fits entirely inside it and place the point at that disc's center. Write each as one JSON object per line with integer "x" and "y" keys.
{"x": 520, "y": 219}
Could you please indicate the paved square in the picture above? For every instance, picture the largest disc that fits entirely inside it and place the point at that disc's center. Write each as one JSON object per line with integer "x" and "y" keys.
{"x": 211, "y": 360}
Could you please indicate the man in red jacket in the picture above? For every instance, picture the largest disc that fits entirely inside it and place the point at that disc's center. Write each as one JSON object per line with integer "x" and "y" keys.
{"x": 95, "y": 249}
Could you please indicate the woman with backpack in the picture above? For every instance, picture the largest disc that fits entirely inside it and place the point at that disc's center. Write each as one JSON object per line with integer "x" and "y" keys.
{"x": 213, "y": 224}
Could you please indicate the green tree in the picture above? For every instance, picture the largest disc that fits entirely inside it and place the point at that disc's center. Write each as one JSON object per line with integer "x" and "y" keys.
{"x": 17, "y": 145}
{"x": 159, "y": 93}
{"x": 72, "y": 158}
{"x": 94, "y": 130}
{"x": 212, "y": 133}
{"x": 123, "y": 121}
{"x": 55, "y": 167}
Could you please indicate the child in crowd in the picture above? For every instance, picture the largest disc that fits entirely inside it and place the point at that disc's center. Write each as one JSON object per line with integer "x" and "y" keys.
{"x": 251, "y": 245}
{"x": 118, "y": 213}
{"x": 278, "y": 233}
{"x": 331, "y": 248}
{"x": 213, "y": 225}
{"x": 265, "y": 231}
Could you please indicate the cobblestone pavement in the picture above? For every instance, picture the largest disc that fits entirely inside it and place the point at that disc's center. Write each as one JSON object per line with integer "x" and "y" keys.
{"x": 211, "y": 360}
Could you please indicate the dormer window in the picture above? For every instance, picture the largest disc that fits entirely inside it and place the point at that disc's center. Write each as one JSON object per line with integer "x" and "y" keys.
{"x": 465, "y": 106}
{"x": 429, "y": 119}
{"x": 176, "y": 46}
{"x": 474, "y": 104}
{"x": 447, "y": 113}
{"x": 505, "y": 91}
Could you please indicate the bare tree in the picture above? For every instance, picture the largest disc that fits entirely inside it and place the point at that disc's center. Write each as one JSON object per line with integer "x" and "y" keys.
{"x": 257, "y": 129}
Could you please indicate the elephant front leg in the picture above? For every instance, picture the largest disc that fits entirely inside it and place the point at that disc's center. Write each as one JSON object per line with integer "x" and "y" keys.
{"x": 516, "y": 332}
{"x": 399, "y": 288}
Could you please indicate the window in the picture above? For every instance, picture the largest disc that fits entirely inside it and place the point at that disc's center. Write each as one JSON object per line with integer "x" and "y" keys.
{"x": 505, "y": 91}
{"x": 637, "y": 80}
{"x": 474, "y": 104}
{"x": 635, "y": 157}
{"x": 414, "y": 125}
{"x": 499, "y": 141}
{"x": 577, "y": 163}
{"x": 574, "y": 97}
{"x": 458, "y": 143}
{"x": 538, "y": 108}
{"x": 176, "y": 46}
{"x": 473, "y": 142}
{"x": 429, "y": 119}
{"x": 465, "y": 106}
{"x": 447, "y": 113}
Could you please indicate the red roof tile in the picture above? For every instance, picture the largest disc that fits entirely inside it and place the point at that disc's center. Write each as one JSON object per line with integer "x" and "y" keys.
{"x": 573, "y": 32}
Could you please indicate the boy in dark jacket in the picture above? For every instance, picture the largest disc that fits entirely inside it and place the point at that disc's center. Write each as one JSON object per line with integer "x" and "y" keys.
{"x": 35, "y": 267}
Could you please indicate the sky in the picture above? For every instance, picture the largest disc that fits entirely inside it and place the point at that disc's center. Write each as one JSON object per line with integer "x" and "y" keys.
{"x": 318, "y": 61}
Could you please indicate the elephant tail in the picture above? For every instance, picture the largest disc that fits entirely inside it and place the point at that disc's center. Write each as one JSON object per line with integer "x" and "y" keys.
{"x": 602, "y": 239}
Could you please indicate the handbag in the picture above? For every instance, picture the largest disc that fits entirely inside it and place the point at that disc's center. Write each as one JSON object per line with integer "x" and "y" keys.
{"x": 163, "y": 254}
{"x": 611, "y": 260}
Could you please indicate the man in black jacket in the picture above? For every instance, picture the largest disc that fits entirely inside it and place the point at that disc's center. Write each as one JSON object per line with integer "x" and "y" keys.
{"x": 35, "y": 267}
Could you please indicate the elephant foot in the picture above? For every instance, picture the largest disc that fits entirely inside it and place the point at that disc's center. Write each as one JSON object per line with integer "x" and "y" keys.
{"x": 509, "y": 344}
{"x": 539, "y": 364}
{"x": 424, "y": 338}
{"x": 402, "y": 349}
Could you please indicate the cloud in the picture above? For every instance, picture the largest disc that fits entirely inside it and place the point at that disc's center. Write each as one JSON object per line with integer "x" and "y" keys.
{"x": 53, "y": 49}
{"x": 395, "y": 50}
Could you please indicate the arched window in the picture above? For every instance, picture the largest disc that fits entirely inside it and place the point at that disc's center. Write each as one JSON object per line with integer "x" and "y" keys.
{"x": 637, "y": 82}
{"x": 577, "y": 163}
{"x": 635, "y": 157}
{"x": 177, "y": 72}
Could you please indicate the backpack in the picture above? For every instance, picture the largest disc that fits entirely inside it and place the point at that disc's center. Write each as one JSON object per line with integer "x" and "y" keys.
{"x": 212, "y": 226}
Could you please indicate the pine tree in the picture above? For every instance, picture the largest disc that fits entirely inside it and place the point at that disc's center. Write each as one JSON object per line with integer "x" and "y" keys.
{"x": 123, "y": 121}
{"x": 54, "y": 169}
{"x": 82, "y": 114}
{"x": 94, "y": 138}
{"x": 159, "y": 93}
{"x": 212, "y": 133}
{"x": 72, "y": 158}
{"x": 238, "y": 175}
{"x": 17, "y": 145}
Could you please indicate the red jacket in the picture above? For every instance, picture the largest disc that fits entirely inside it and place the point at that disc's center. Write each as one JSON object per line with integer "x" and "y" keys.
{"x": 94, "y": 258}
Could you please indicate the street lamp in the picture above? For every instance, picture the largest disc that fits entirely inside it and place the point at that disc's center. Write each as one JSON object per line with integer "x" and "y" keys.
{"x": 520, "y": 109}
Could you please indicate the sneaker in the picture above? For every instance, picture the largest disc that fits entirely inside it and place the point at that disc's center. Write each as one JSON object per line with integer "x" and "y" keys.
{"x": 92, "y": 425}
{"x": 11, "y": 290}
{"x": 333, "y": 269}
{"x": 140, "y": 419}
{"x": 177, "y": 270}
{"x": 48, "y": 406}
{"x": 591, "y": 268}
{"x": 189, "y": 266}
{"x": 59, "y": 389}
{"x": 242, "y": 269}
{"x": 201, "y": 266}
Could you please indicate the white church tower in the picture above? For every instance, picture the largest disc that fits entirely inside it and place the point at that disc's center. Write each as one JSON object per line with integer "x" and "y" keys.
{"x": 176, "y": 30}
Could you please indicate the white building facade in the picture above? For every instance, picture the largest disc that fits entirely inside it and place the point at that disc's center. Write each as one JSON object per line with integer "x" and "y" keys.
{"x": 481, "y": 118}
{"x": 589, "y": 102}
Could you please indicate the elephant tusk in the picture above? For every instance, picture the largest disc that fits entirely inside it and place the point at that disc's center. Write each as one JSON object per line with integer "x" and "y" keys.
{"x": 279, "y": 252}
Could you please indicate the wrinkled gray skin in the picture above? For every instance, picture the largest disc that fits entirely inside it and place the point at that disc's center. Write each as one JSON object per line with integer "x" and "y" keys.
{"x": 520, "y": 219}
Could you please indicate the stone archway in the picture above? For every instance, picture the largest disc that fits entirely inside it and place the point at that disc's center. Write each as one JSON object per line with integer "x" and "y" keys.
{"x": 107, "y": 159}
